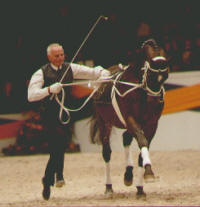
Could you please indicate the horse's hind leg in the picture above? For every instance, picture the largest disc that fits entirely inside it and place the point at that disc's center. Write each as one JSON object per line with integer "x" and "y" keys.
{"x": 139, "y": 181}
{"x": 106, "y": 156}
{"x": 106, "y": 152}
{"x": 128, "y": 175}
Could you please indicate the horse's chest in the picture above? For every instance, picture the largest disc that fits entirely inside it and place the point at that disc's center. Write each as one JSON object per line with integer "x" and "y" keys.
{"x": 152, "y": 108}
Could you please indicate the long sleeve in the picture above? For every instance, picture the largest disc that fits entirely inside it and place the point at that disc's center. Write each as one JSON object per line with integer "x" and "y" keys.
{"x": 85, "y": 72}
{"x": 35, "y": 90}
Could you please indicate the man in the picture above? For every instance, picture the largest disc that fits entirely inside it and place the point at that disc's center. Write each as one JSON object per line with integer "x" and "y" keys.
{"x": 45, "y": 82}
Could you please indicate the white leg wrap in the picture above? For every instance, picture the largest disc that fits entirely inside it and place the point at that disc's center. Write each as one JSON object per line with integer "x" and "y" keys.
{"x": 128, "y": 156}
{"x": 139, "y": 180}
{"x": 145, "y": 156}
{"x": 108, "y": 177}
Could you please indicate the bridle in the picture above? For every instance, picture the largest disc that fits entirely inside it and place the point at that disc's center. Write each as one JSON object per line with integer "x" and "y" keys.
{"x": 147, "y": 69}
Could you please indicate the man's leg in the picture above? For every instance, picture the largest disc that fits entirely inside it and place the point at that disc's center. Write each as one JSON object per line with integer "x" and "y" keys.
{"x": 59, "y": 171}
{"x": 61, "y": 147}
{"x": 49, "y": 176}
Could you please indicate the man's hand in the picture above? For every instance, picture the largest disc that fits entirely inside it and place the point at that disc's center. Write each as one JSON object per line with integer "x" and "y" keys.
{"x": 55, "y": 88}
{"x": 105, "y": 73}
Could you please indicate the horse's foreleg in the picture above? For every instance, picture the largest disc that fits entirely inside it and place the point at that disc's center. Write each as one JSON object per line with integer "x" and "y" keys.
{"x": 128, "y": 175}
{"x": 143, "y": 144}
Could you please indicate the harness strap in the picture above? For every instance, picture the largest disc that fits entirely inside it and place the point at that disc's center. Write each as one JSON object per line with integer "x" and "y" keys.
{"x": 116, "y": 107}
{"x": 115, "y": 104}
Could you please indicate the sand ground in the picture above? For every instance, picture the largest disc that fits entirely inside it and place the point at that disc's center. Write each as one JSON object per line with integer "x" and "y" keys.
{"x": 179, "y": 183}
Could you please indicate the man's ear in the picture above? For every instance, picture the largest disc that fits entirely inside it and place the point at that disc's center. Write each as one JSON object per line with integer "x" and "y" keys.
{"x": 49, "y": 57}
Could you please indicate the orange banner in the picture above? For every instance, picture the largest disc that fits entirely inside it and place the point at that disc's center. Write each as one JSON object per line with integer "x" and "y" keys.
{"x": 182, "y": 99}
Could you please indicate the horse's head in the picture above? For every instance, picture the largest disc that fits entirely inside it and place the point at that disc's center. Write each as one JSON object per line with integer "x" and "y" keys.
{"x": 156, "y": 67}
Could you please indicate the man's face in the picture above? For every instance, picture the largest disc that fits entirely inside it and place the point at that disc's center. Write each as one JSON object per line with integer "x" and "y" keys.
{"x": 56, "y": 56}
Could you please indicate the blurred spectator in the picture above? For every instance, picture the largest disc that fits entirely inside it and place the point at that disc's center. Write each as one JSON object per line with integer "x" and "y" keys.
{"x": 186, "y": 60}
{"x": 143, "y": 30}
{"x": 197, "y": 53}
{"x": 126, "y": 27}
{"x": 9, "y": 101}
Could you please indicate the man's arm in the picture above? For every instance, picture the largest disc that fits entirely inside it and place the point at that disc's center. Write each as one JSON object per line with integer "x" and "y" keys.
{"x": 35, "y": 90}
{"x": 85, "y": 72}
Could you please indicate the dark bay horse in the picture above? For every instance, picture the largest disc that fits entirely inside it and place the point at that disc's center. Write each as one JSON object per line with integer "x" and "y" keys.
{"x": 133, "y": 101}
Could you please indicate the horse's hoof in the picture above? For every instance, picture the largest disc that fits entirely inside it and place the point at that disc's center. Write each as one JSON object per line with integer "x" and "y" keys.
{"x": 140, "y": 193}
{"x": 128, "y": 182}
{"x": 128, "y": 176}
{"x": 109, "y": 190}
{"x": 148, "y": 174}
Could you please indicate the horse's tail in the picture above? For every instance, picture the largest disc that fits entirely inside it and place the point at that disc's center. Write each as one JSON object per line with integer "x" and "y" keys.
{"x": 94, "y": 130}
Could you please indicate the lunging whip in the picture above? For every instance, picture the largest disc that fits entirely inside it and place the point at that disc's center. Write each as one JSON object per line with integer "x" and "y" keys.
{"x": 85, "y": 39}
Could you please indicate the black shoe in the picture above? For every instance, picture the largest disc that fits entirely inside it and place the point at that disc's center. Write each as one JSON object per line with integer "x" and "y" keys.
{"x": 46, "y": 191}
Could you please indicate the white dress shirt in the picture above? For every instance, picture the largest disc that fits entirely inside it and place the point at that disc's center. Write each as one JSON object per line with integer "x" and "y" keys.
{"x": 36, "y": 91}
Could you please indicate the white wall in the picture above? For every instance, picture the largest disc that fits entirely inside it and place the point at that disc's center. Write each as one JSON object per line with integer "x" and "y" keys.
{"x": 175, "y": 131}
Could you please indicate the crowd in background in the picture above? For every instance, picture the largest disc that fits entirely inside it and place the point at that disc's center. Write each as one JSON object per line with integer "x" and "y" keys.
{"x": 177, "y": 29}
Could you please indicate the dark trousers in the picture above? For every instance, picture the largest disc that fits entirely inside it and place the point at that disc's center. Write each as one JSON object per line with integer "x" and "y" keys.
{"x": 58, "y": 138}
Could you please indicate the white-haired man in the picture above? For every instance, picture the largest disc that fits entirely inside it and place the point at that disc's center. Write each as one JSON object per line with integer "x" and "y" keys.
{"x": 45, "y": 82}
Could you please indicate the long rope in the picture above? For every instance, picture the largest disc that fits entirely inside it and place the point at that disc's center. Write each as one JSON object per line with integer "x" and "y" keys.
{"x": 105, "y": 80}
{"x": 68, "y": 110}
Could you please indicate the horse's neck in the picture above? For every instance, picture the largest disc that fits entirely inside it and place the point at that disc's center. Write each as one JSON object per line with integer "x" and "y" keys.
{"x": 133, "y": 74}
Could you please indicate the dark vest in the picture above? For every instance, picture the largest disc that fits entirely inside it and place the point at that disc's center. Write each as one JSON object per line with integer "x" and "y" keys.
{"x": 51, "y": 76}
{"x": 50, "y": 108}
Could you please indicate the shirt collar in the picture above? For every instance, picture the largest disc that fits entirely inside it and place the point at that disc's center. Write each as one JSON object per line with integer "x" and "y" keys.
{"x": 55, "y": 67}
